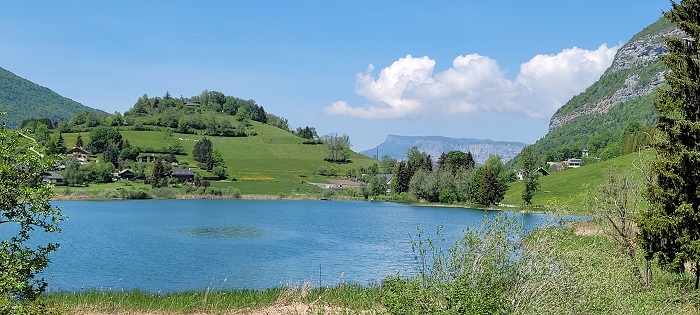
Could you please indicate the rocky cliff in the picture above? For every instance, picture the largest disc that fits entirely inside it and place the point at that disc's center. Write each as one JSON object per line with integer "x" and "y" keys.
{"x": 636, "y": 71}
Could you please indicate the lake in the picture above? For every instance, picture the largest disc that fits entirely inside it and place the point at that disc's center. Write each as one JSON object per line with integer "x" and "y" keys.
{"x": 176, "y": 245}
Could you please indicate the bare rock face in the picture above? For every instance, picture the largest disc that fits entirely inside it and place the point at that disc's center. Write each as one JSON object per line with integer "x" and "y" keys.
{"x": 644, "y": 50}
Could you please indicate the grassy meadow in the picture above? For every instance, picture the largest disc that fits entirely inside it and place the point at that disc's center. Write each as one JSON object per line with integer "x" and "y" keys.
{"x": 271, "y": 161}
{"x": 567, "y": 189}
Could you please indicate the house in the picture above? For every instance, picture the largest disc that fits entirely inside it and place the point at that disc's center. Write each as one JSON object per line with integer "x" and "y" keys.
{"x": 182, "y": 174}
{"x": 573, "y": 163}
{"x": 79, "y": 154}
{"x": 191, "y": 104}
{"x": 542, "y": 171}
{"x": 147, "y": 157}
{"x": 51, "y": 177}
{"x": 126, "y": 174}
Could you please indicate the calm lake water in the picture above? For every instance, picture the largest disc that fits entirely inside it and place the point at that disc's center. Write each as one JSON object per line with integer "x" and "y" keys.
{"x": 175, "y": 245}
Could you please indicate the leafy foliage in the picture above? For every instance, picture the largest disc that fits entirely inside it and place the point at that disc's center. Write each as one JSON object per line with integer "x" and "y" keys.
{"x": 337, "y": 148}
{"x": 530, "y": 159}
{"x": 24, "y": 206}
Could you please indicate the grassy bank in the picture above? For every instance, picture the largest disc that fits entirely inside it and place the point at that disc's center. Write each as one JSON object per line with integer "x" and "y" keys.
{"x": 344, "y": 299}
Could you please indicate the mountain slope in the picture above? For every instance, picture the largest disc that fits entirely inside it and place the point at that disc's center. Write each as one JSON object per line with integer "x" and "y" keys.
{"x": 624, "y": 94}
{"x": 22, "y": 99}
{"x": 396, "y": 147}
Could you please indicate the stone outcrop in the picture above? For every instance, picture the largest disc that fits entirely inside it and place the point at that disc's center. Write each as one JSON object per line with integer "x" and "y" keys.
{"x": 644, "y": 50}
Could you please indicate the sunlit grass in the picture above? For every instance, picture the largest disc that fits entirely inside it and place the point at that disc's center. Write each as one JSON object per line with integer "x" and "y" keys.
{"x": 566, "y": 189}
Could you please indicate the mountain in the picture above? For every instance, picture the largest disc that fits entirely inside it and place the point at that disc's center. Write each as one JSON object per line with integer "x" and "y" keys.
{"x": 623, "y": 96}
{"x": 22, "y": 99}
{"x": 396, "y": 147}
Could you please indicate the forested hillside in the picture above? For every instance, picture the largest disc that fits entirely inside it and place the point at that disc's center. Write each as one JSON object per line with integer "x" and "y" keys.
{"x": 614, "y": 115}
{"x": 22, "y": 99}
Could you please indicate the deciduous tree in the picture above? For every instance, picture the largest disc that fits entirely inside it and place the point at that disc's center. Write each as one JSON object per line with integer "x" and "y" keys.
{"x": 25, "y": 207}
{"x": 529, "y": 158}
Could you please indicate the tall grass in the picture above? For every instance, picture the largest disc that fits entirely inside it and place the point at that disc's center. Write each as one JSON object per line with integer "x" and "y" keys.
{"x": 348, "y": 298}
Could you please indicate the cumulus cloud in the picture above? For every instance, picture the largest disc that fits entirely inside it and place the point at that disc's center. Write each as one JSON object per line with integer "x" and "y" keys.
{"x": 409, "y": 87}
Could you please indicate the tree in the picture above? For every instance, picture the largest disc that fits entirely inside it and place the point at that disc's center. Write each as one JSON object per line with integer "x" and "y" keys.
{"x": 529, "y": 158}
{"x": 202, "y": 153}
{"x": 202, "y": 150}
{"x": 488, "y": 185}
{"x": 669, "y": 231}
{"x": 60, "y": 144}
{"x": 377, "y": 186}
{"x": 401, "y": 179}
{"x": 25, "y": 206}
{"x": 79, "y": 141}
{"x": 111, "y": 154}
{"x": 337, "y": 148}
{"x": 158, "y": 172}
{"x": 617, "y": 201}
{"x": 454, "y": 160}
{"x": 101, "y": 137}
{"x": 75, "y": 176}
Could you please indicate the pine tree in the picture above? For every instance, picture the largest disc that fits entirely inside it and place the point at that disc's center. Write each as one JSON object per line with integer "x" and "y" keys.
{"x": 79, "y": 142}
{"x": 60, "y": 144}
{"x": 670, "y": 229}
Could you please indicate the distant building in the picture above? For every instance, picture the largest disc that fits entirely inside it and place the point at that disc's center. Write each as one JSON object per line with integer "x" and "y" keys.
{"x": 519, "y": 174}
{"x": 192, "y": 104}
{"x": 126, "y": 174}
{"x": 182, "y": 174}
{"x": 573, "y": 163}
{"x": 52, "y": 178}
{"x": 79, "y": 154}
{"x": 147, "y": 157}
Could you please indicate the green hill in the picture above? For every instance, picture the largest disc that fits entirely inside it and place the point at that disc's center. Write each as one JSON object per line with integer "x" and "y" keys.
{"x": 272, "y": 161}
{"x": 567, "y": 188}
{"x": 22, "y": 99}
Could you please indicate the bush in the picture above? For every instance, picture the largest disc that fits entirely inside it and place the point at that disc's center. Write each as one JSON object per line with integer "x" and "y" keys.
{"x": 473, "y": 277}
{"x": 164, "y": 193}
{"x": 233, "y": 192}
{"x": 141, "y": 193}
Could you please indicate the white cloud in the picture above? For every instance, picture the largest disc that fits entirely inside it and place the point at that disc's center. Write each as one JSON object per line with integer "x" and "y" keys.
{"x": 410, "y": 88}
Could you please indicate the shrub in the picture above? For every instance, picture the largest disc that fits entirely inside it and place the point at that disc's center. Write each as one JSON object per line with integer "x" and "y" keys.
{"x": 472, "y": 277}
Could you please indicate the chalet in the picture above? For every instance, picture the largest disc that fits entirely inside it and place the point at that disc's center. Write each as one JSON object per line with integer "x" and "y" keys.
{"x": 51, "y": 177}
{"x": 79, "y": 154}
{"x": 126, "y": 174}
{"x": 182, "y": 174}
{"x": 147, "y": 157}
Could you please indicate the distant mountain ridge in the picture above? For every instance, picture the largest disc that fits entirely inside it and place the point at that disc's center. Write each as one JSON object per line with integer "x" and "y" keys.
{"x": 396, "y": 147}
{"x": 22, "y": 99}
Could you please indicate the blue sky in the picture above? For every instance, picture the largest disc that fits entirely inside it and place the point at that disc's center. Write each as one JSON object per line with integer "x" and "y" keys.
{"x": 466, "y": 69}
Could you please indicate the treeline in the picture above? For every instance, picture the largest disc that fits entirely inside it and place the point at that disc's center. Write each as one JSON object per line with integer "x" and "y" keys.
{"x": 455, "y": 178}
{"x": 205, "y": 114}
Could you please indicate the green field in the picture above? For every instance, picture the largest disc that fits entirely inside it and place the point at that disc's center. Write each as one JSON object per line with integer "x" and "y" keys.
{"x": 568, "y": 187}
{"x": 269, "y": 162}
